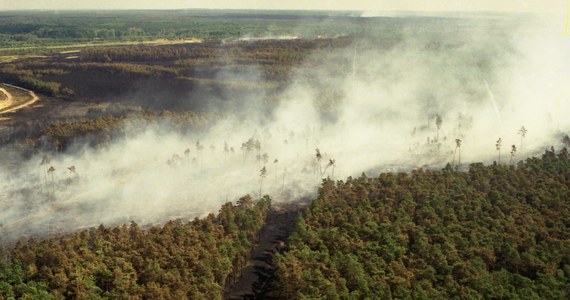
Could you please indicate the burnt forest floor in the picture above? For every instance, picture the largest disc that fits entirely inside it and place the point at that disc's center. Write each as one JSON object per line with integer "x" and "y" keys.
{"x": 256, "y": 278}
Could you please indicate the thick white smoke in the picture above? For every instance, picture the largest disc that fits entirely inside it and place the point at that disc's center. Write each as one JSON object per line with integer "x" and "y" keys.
{"x": 368, "y": 108}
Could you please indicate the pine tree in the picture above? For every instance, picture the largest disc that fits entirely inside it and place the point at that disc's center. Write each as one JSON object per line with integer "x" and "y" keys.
{"x": 438, "y": 122}
{"x": 498, "y": 146}
{"x": 262, "y": 175}
{"x": 522, "y": 133}
{"x": 513, "y": 152}
{"x": 458, "y": 151}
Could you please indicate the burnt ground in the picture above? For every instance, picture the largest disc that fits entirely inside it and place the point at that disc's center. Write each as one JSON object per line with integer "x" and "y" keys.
{"x": 257, "y": 276}
{"x": 50, "y": 108}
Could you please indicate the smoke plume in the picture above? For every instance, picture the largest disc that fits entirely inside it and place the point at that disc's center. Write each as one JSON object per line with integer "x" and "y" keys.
{"x": 378, "y": 105}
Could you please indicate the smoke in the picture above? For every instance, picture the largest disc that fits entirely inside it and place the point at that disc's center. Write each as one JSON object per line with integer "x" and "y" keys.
{"x": 370, "y": 107}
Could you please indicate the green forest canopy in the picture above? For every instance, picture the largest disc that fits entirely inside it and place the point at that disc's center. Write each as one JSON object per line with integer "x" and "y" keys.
{"x": 494, "y": 232}
{"x": 194, "y": 260}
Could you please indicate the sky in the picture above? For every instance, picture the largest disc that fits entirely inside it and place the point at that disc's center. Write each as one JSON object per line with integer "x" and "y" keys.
{"x": 542, "y": 6}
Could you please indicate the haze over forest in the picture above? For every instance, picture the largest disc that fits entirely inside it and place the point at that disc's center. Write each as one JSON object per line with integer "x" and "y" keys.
{"x": 145, "y": 122}
{"x": 369, "y": 108}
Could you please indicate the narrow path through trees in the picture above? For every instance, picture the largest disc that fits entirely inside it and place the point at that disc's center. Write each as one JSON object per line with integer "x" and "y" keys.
{"x": 255, "y": 279}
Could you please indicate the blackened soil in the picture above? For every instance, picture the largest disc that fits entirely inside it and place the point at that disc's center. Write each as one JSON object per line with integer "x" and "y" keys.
{"x": 255, "y": 281}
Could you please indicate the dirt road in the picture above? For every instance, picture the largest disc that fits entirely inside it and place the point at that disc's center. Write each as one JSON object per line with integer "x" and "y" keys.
{"x": 6, "y": 96}
{"x": 11, "y": 104}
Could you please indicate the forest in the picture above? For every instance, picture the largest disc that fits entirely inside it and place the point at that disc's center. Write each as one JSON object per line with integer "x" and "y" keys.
{"x": 177, "y": 260}
{"x": 33, "y": 31}
{"x": 493, "y": 232}
{"x": 20, "y": 31}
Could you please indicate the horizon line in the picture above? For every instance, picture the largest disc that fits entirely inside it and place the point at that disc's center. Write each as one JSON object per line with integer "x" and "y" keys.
{"x": 276, "y": 10}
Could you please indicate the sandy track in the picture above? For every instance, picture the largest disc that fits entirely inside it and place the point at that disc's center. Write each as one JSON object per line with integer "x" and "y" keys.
{"x": 74, "y": 47}
{"x": 11, "y": 104}
{"x": 7, "y": 94}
